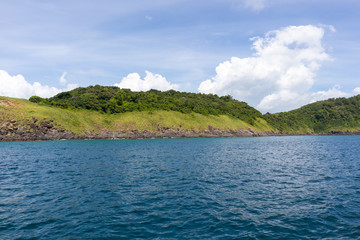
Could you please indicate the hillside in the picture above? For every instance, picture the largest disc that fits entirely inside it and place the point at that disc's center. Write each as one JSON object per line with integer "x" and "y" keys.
{"x": 21, "y": 119}
{"x": 329, "y": 116}
{"x": 115, "y": 100}
{"x": 98, "y": 112}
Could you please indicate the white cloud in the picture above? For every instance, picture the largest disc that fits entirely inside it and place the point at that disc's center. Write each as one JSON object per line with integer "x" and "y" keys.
{"x": 255, "y": 5}
{"x": 63, "y": 79}
{"x": 18, "y": 87}
{"x": 292, "y": 100}
{"x": 328, "y": 27}
{"x": 334, "y": 92}
{"x": 356, "y": 91}
{"x": 134, "y": 82}
{"x": 332, "y": 28}
{"x": 279, "y": 75}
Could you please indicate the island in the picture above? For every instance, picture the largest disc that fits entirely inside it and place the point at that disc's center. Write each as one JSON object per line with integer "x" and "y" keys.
{"x": 99, "y": 112}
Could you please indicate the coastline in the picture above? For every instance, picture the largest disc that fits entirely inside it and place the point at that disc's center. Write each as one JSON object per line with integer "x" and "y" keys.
{"x": 46, "y": 131}
{"x": 21, "y": 120}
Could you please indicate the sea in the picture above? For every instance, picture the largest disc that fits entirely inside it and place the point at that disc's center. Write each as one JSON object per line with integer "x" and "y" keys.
{"x": 291, "y": 187}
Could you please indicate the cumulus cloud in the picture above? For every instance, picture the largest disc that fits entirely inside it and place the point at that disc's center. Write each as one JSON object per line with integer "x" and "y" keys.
{"x": 16, "y": 86}
{"x": 333, "y": 92}
{"x": 356, "y": 91}
{"x": 294, "y": 100}
{"x": 279, "y": 75}
{"x": 134, "y": 82}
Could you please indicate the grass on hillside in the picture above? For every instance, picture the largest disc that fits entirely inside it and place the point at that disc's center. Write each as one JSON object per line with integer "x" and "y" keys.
{"x": 87, "y": 121}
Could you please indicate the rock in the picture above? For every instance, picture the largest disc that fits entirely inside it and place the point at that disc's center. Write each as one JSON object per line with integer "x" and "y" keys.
{"x": 46, "y": 124}
{"x": 46, "y": 130}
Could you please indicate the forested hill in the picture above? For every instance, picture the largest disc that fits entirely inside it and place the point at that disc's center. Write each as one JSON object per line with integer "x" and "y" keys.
{"x": 340, "y": 114}
{"x": 115, "y": 100}
{"x": 332, "y": 115}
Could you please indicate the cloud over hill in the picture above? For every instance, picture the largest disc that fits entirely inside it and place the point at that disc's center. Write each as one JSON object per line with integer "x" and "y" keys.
{"x": 280, "y": 74}
{"x": 17, "y": 86}
{"x": 134, "y": 82}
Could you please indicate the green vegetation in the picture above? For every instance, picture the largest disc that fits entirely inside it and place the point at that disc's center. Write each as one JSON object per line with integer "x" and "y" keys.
{"x": 98, "y": 109}
{"x": 112, "y": 100}
{"x": 83, "y": 121}
{"x": 341, "y": 114}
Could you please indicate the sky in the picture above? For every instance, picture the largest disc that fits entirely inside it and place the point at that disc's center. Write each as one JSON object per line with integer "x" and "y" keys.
{"x": 276, "y": 55}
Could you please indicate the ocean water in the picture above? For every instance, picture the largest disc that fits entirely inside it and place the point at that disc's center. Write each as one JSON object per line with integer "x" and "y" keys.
{"x": 304, "y": 187}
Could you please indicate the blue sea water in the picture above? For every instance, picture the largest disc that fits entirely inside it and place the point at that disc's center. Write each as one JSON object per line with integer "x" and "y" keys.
{"x": 303, "y": 187}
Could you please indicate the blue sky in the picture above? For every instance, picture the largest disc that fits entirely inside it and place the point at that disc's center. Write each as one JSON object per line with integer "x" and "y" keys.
{"x": 181, "y": 44}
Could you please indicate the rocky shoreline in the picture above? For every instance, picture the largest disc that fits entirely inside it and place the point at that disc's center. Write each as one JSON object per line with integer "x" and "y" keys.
{"x": 47, "y": 131}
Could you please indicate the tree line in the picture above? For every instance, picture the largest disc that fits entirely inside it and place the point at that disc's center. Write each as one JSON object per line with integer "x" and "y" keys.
{"x": 319, "y": 117}
{"x": 110, "y": 100}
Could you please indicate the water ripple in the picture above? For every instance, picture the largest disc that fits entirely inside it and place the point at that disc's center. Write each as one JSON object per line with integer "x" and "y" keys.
{"x": 249, "y": 188}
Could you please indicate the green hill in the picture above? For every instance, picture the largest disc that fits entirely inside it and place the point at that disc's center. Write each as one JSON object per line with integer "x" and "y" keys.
{"x": 43, "y": 119}
{"x": 110, "y": 112}
{"x": 332, "y": 115}
{"x": 115, "y": 100}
